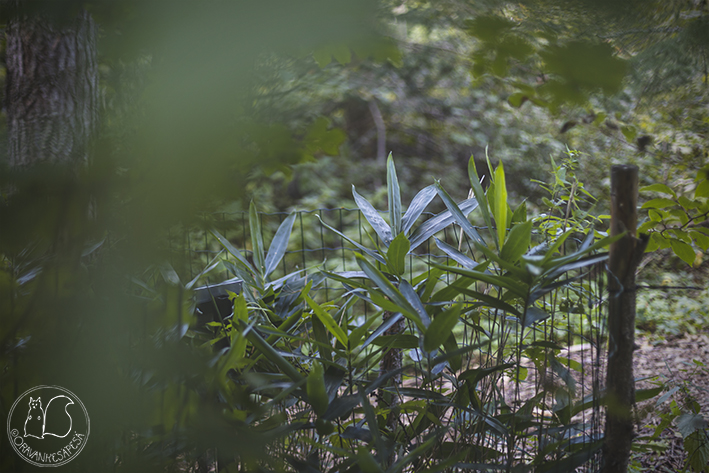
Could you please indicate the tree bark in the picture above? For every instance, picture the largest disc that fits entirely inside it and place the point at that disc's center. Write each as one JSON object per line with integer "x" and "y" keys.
{"x": 51, "y": 88}
{"x": 625, "y": 256}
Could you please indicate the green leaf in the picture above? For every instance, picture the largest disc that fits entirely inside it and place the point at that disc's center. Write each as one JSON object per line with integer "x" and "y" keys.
{"x": 320, "y": 138}
{"x": 520, "y": 213}
{"x": 451, "y": 348}
{"x": 517, "y": 242}
{"x": 371, "y": 419}
{"x": 396, "y": 254}
{"x": 488, "y": 28}
{"x": 375, "y": 220}
{"x": 658, "y": 241}
{"x": 513, "y": 285}
{"x": 662, "y": 188}
{"x": 460, "y": 218}
{"x": 457, "y": 256}
{"x": 688, "y": 204}
{"x": 490, "y": 301}
{"x": 417, "y": 206}
{"x": 342, "y": 53}
{"x": 412, "y": 297}
{"x": 499, "y": 210}
{"x": 256, "y": 239}
{"x": 517, "y": 99}
{"x": 583, "y": 67}
{"x": 405, "y": 341}
{"x": 363, "y": 249}
{"x": 315, "y": 386}
{"x": 629, "y": 133}
{"x": 394, "y": 194}
{"x": 279, "y": 244}
{"x": 533, "y": 315}
{"x": 660, "y": 203}
{"x": 366, "y": 462}
{"x": 320, "y": 334}
{"x": 357, "y": 334}
{"x": 683, "y": 250}
{"x": 390, "y": 291}
{"x": 697, "y": 447}
{"x": 573, "y": 461}
{"x": 434, "y": 225}
{"x": 689, "y": 423}
{"x": 477, "y": 187}
{"x": 645, "y": 394}
{"x": 702, "y": 189}
{"x": 474, "y": 375}
{"x": 270, "y": 353}
{"x": 700, "y": 239}
{"x": 440, "y": 328}
{"x": 322, "y": 56}
{"x": 327, "y": 321}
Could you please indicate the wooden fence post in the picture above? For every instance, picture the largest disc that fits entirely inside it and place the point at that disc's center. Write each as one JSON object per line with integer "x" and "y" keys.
{"x": 625, "y": 256}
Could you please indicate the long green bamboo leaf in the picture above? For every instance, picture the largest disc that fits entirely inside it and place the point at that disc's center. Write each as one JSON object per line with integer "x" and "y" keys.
{"x": 270, "y": 353}
{"x": 417, "y": 206}
{"x": 390, "y": 291}
{"x": 372, "y": 423}
{"x": 490, "y": 301}
{"x": 357, "y": 334}
{"x": 327, "y": 320}
{"x": 500, "y": 205}
{"x": 440, "y": 328}
{"x": 533, "y": 315}
{"x": 460, "y": 218}
{"x": 571, "y": 462}
{"x": 375, "y": 220}
{"x": 315, "y": 387}
{"x": 476, "y": 184}
{"x": 474, "y": 375}
{"x": 518, "y": 272}
{"x": 279, "y": 243}
{"x": 556, "y": 245}
{"x": 408, "y": 292}
{"x": 512, "y": 285}
{"x": 557, "y": 271}
{"x": 538, "y": 292}
{"x": 386, "y": 325}
{"x": 434, "y": 225}
{"x": 364, "y": 249}
{"x": 212, "y": 264}
{"x": 394, "y": 194}
{"x": 517, "y": 242}
{"x": 457, "y": 256}
{"x": 256, "y": 239}
{"x": 396, "y": 254}
{"x": 402, "y": 340}
{"x": 416, "y": 452}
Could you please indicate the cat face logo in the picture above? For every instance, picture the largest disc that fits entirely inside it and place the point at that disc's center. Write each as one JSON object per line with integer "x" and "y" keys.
{"x": 48, "y": 426}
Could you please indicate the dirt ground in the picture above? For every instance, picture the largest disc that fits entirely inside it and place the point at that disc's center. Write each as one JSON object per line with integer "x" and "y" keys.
{"x": 672, "y": 362}
{"x": 669, "y": 362}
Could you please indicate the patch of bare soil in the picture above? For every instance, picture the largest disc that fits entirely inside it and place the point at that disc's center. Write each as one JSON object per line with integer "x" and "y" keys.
{"x": 671, "y": 362}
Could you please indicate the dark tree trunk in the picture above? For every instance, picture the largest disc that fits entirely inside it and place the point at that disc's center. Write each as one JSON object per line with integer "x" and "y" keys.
{"x": 51, "y": 92}
{"x": 625, "y": 256}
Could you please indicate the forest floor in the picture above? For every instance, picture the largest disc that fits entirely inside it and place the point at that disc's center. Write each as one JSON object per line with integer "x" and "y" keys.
{"x": 671, "y": 362}
{"x": 657, "y": 362}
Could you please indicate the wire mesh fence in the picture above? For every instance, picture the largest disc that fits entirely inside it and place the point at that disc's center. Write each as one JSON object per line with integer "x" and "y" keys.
{"x": 544, "y": 379}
